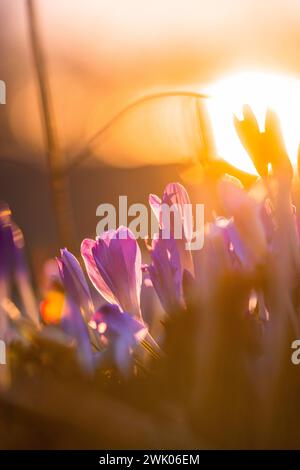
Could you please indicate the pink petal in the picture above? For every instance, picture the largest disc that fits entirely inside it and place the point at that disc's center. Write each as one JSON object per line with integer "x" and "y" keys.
{"x": 97, "y": 280}
{"x": 155, "y": 203}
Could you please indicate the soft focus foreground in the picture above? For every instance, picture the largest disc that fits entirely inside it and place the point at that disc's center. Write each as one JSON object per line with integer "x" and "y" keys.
{"x": 101, "y": 364}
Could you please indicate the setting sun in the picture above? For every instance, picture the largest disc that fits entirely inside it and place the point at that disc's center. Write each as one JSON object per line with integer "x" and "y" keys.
{"x": 260, "y": 91}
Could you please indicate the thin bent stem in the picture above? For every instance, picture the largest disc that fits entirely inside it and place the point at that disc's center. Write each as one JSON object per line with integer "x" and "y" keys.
{"x": 85, "y": 153}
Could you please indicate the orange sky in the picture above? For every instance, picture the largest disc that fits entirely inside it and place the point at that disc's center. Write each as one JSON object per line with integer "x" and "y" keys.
{"x": 103, "y": 54}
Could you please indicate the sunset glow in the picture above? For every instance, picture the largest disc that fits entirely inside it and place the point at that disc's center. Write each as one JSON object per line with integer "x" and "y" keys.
{"x": 260, "y": 91}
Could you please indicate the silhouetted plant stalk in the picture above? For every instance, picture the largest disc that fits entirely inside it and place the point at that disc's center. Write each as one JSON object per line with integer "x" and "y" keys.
{"x": 202, "y": 116}
{"x": 58, "y": 178}
{"x": 208, "y": 164}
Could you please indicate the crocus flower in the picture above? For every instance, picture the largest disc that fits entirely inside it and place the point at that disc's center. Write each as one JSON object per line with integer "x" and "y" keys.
{"x": 77, "y": 307}
{"x": 268, "y": 152}
{"x": 215, "y": 259}
{"x": 75, "y": 327}
{"x": 166, "y": 273}
{"x": 252, "y": 139}
{"x": 75, "y": 283}
{"x": 249, "y": 238}
{"x": 265, "y": 147}
{"x": 113, "y": 263}
{"x": 119, "y": 334}
{"x": 13, "y": 265}
{"x": 22, "y": 278}
{"x": 249, "y": 234}
{"x": 176, "y": 197}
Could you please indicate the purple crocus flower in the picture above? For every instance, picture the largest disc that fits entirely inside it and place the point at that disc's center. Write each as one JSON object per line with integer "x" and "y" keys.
{"x": 22, "y": 278}
{"x": 247, "y": 232}
{"x": 119, "y": 334}
{"x": 225, "y": 250}
{"x": 215, "y": 259}
{"x": 13, "y": 265}
{"x": 232, "y": 239}
{"x": 166, "y": 273}
{"x": 75, "y": 327}
{"x": 78, "y": 307}
{"x": 176, "y": 197}
{"x": 75, "y": 283}
{"x": 113, "y": 263}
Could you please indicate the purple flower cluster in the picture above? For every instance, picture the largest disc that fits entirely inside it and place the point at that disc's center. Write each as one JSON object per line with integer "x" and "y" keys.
{"x": 255, "y": 236}
{"x": 238, "y": 242}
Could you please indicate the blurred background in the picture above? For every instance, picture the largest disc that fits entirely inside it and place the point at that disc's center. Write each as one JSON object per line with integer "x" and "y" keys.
{"x": 101, "y": 56}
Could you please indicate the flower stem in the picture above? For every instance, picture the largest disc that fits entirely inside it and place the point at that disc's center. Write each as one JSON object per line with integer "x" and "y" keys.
{"x": 58, "y": 179}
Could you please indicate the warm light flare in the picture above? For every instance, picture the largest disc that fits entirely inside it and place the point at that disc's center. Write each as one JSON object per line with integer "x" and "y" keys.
{"x": 51, "y": 308}
{"x": 260, "y": 91}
